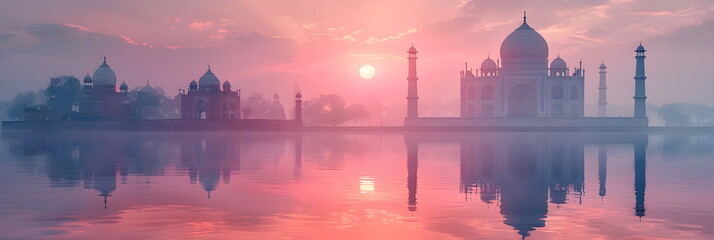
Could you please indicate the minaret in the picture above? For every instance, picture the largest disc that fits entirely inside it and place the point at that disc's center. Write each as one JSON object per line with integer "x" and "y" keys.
{"x": 602, "y": 92}
{"x": 412, "y": 104}
{"x": 640, "y": 97}
{"x": 298, "y": 108}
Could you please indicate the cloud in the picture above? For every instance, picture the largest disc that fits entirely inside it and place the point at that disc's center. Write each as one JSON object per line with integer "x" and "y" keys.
{"x": 6, "y": 36}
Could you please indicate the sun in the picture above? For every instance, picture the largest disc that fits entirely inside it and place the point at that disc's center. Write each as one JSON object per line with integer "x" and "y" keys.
{"x": 366, "y": 71}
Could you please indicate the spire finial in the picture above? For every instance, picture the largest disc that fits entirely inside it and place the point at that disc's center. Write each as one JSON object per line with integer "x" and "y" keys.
{"x": 558, "y": 55}
{"x": 524, "y": 16}
{"x": 488, "y": 56}
{"x": 209, "y": 66}
{"x": 105, "y": 57}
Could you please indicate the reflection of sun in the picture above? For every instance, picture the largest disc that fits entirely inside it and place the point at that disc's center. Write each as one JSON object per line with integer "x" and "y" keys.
{"x": 366, "y": 184}
{"x": 366, "y": 71}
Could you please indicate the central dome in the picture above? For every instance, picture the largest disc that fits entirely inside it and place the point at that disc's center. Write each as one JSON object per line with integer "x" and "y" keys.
{"x": 208, "y": 80}
{"x": 524, "y": 43}
{"x": 104, "y": 75}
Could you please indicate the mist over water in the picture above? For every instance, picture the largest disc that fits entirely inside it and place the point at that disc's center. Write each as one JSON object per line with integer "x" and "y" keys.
{"x": 152, "y": 185}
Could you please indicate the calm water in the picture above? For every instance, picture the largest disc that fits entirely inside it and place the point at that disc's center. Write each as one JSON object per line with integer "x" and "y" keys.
{"x": 356, "y": 186}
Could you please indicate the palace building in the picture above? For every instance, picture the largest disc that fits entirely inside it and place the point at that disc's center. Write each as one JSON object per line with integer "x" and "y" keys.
{"x": 524, "y": 88}
{"x": 206, "y": 99}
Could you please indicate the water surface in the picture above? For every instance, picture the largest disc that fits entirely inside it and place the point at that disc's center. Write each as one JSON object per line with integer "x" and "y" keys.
{"x": 153, "y": 185}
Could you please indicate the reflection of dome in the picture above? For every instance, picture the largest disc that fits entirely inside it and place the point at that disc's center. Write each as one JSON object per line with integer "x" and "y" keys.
{"x": 208, "y": 80}
{"x": 558, "y": 63}
{"x": 524, "y": 43}
{"x": 104, "y": 75}
{"x": 488, "y": 64}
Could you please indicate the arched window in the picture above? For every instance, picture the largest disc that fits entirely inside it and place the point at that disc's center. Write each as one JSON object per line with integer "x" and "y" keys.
{"x": 557, "y": 110}
{"x": 201, "y": 110}
{"x": 574, "y": 93}
{"x": 487, "y": 111}
{"x": 487, "y": 93}
{"x": 472, "y": 93}
{"x": 556, "y": 92}
{"x": 574, "y": 110}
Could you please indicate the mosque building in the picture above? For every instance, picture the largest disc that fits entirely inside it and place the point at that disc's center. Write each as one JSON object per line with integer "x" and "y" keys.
{"x": 523, "y": 88}
{"x": 100, "y": 100}
{"x": 206, "y": 99}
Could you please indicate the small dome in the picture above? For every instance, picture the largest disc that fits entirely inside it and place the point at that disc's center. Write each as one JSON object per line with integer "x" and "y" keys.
{"x": 488, "y": 64}
{"x": 276, "y": 96}
{"x": 558, "y": 63}
{"x": 298, "y": 95}
{"x": 226, "y": 84}
{"x": 640, "y": 48}
{"x": 524, "y": 43}
{"x": 124, "y": 86}
{"x": 87, "y": 78}
{"x": 104, "y": 75}
{"x": 602, "y": 65}
{"x": 148, "y": 89}
{"x": 412, "y": 49}
{"x": 193, "y": 84}
{"x": 208, "y": 80}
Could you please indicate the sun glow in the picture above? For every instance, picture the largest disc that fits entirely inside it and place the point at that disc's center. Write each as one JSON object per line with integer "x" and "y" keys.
{"x": 366, "y": 71}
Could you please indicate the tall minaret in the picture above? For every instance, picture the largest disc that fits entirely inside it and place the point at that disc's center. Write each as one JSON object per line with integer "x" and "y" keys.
{"x": 602, "y": 92}
{"x": 640, "y": 97}
{"x": 412, "y": 99}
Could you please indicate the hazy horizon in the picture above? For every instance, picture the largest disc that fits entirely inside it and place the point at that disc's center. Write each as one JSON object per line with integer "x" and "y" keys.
{"x": 318, "y": 46}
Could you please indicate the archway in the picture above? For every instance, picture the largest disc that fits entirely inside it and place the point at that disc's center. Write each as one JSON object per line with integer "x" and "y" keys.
{"x": 522, "y": 101}
{"x": 574, "y": 110}
{"x": 556, "y": 92}
{"x": 487, "y": 111}
{"x": 487, "y": 93}
{"x": 201, "y": 110}
{"x": 557, "y": 110}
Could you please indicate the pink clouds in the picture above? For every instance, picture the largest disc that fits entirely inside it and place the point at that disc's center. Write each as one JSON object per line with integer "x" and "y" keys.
{"x": 329, "y": 40}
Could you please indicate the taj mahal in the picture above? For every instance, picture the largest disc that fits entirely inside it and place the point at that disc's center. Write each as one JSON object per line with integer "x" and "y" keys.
{"x": 523, "y": 89}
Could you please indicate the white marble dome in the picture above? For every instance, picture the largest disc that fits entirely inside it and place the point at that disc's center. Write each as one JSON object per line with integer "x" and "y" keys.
{"x": 104, "y": 75}
{"x": 524, "y": 43}
{"x": 488, "y": 64}
{"x": 208, "y": 80}
{"x": 558, "y": 63}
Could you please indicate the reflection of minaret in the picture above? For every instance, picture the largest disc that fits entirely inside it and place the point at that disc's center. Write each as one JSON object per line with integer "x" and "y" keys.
{"x": 412, "y": 165}
{"x": 640, "y": 179}
{"x": 297, "y": 169}
{"x": 602, "y": 168}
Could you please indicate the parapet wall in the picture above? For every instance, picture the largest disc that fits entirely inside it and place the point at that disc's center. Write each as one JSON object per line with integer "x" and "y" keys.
{"x": 587, "y": 122}
{"x": 158, "y": 124}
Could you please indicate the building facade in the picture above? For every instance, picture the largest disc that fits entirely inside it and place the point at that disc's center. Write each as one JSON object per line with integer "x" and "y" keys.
{"x": 100, "y": 99}
{"x": 208, "y": 100}
{"x": 522, "y": 84}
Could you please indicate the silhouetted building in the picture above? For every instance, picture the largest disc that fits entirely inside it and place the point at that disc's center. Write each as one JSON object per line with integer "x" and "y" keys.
{"x": 100, "y": 100}
{"x": 206, "y": 99}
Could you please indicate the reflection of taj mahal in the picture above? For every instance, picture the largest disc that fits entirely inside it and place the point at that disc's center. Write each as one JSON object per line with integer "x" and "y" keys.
{"x": 523, "y": 89}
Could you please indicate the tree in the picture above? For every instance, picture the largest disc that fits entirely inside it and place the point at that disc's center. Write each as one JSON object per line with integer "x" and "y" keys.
{"x": 18, "y": 103}
{"x": 326, "y": 109}
{"x": 62, "y": 92}
{"x": 672, "y": 115}
{"x": 147, "y": 102}
{"x": 256, "y": 106}
{"x": 358, "y": 112}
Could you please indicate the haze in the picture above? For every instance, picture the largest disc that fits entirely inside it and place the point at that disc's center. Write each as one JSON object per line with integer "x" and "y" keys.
{"x": 318, "y": 46}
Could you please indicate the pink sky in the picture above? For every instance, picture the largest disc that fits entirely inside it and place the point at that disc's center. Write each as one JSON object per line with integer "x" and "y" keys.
{"x": 318, "y": 46}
